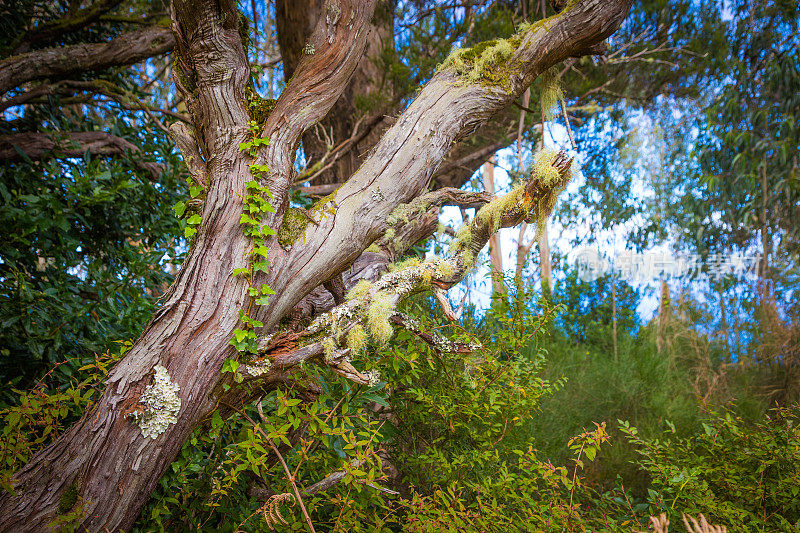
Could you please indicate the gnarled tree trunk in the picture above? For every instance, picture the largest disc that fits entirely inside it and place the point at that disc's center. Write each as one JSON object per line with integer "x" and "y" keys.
{"x": 106, "y": 456}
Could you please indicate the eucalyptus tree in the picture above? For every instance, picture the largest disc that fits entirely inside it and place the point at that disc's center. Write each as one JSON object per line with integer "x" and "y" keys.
{"x": 263, "y": 290}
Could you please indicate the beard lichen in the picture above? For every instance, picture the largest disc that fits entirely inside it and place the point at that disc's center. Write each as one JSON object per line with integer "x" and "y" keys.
{"x": 380, "y": 309}
{"x": 547, "y": 182}
{"x": 329, "y": 348}
{"x": 356, "y": 338}
{"x": 551, "y": 94}
{"x": 543, "y": 167}
{"x": 161, "y": 404}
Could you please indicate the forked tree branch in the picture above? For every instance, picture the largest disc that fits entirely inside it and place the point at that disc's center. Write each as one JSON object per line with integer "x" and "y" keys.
{"x": 328, "y": 338}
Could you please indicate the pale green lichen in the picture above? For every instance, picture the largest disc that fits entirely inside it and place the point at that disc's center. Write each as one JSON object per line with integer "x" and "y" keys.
{"x": 308, "y": 49}
{"x": 543, "y": 167}
{"x": 445, "y": 269}
{"x": 492, "y": 213}
{"x": 403, "y": 213}
{"x": 486, "y": 61}
{"x": 404, "y": 264}
{"x": 356, "y": 338}
{"x": 329, "y": 348}
{"x": 161, "y": 404}
{"x": 551, "y": 95}
{"x": 554, "y": 182}
{"x": 360, "y": 289}
{"x": 380, "y": 309}
{"x": 324, "y": 206}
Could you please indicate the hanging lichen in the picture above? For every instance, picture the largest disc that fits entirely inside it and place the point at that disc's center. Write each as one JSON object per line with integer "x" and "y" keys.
{"x": 378, "y": 313}
{"x": 356, "y": 338}
{"x": 551, "y": 94}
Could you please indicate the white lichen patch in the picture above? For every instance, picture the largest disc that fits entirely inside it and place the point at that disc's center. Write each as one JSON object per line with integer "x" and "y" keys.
{"x": 257, "y": 368}
{"x": 373, "y": 377}
{"x": 161, "y": 404}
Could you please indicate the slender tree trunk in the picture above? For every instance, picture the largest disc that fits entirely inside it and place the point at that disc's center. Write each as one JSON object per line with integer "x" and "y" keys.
{"x": 614, "y": 316}
{"x": 495, "y": 250}
{"x": 522, "y": 249}
{"x": 765, "y": 236}
{"x": 544, "y": 261}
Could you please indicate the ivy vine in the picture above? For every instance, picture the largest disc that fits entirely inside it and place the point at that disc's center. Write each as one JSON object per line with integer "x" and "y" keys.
{"x": 256, "y": 206}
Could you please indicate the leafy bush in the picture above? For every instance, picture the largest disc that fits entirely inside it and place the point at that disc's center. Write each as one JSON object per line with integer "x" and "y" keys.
{"x": 744, "y": 476}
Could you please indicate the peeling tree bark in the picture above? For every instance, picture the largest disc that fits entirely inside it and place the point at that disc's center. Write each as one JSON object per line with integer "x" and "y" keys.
{"x": 105, "y": 456}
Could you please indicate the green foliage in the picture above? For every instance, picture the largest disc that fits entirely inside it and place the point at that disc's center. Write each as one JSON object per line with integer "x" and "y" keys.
{"x": 38, "y": 416}
{"x": 89, "y": 244}
{"x": 746, "y": 476}
{"x": 207, "y": 486}
{"x": 257, "y": 206}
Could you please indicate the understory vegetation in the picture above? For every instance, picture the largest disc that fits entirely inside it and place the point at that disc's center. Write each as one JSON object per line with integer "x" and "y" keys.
{"x": 538, "y": 431}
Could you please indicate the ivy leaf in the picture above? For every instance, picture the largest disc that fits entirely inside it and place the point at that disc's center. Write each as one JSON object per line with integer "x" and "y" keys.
{"x": 180, "y": 209}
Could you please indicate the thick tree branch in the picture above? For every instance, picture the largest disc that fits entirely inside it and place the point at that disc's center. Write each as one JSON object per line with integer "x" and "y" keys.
{"x": 52, "y": 30}
{"x": 327, "y": 339}
{"x": 402, "y": 164}
{"x": 338, "y": 43}
{"x": 36, "y": 146}
{"x": 126, "y": 49}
